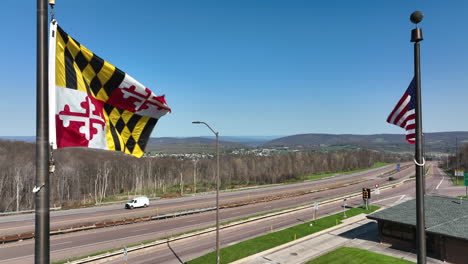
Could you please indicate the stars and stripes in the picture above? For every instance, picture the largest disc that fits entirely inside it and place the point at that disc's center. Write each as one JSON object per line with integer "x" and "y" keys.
{"x": 94, "y": 104}
{"x": 403, "y": 115}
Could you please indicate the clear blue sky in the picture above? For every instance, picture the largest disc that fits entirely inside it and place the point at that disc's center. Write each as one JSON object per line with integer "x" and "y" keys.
{"x": 256, "y": 67}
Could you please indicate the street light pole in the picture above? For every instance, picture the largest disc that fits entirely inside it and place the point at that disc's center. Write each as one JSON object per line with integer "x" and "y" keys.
{"x": 457, "y": 164}
{"x": 217, "y": 188}
{"x": 217, "y": 198}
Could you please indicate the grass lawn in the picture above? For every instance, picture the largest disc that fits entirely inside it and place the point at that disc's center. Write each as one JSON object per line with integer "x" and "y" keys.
{"x": 356, "y": 256}
{"x": 457, "y": 181}
{"x": 264, "y": 242}
{"x": 328, "y": 174}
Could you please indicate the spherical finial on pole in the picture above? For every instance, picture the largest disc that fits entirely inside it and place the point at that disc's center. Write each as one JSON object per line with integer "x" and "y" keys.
{"x": 416, "y": 34}
{"x": 416, "y": 17}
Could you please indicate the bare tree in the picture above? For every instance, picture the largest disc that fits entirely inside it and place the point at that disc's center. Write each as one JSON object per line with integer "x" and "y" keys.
{"x": 86, "y": 175}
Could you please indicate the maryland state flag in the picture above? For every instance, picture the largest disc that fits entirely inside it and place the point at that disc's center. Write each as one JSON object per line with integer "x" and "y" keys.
{"x": 94, "y": 104}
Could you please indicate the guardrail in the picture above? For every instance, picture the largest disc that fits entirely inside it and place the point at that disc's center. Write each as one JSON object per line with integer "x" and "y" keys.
{"x": 209, "y": 230}
{"x": 158, "y": 198}
{"x": 26, "y": 211}
{"x": 18, "y": 237}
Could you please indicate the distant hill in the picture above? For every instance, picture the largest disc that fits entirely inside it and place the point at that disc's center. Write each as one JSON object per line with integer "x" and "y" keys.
{"x": 188, "y": 145}
{"x": 248, "y": 140}
{"x": 442, "y": 142}
{"x": 19, "y": 138}
{"x": 435, "y": 142}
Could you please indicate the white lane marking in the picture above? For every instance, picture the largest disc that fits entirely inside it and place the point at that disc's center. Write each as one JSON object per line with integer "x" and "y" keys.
{"x": 138, "y": 230}
{"x": 440, "y": 182}
{"x": 389, "y": 198}
{"x": 399, "y": 200}
{"x": 8, "y": 228}
{"x": 122, "y": 239}
{"x": 62, "y": 243}
{"x": 91, "y": 244}
{"x": 13, "y": 259}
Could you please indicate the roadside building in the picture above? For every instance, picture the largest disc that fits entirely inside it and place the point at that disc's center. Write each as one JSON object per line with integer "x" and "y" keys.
{"x": 446, "y": 227}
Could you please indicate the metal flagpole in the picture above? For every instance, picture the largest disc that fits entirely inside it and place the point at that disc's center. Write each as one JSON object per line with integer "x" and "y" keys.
{"x": 416, "y": 37}
{"x": 42, "y": 226}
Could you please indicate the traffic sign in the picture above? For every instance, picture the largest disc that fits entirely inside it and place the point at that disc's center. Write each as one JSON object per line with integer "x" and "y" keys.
{"x": 398, "y": 167}
{"x": 466, "y": 179}
{"x": 316, "y": 206}
{"x": 377, "y": 190}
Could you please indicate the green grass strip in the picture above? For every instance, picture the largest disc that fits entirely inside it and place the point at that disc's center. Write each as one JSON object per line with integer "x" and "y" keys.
{"x": 170, "y": 236}
{"x": 346, "y": 255}
{"x": 249, "y": 247}
{"x": 457, "y": 181}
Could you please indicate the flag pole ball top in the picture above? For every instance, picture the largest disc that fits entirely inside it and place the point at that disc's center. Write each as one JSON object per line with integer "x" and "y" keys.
{"x": 416, "y": 17}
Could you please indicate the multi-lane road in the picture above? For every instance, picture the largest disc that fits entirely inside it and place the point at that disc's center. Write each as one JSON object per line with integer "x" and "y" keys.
{"x": 184, "y": 250}
{"x": 20, "y": 224}
{"x": 86, "y": 242}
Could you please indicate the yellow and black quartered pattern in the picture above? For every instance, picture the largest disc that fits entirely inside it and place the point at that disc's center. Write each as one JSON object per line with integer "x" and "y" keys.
{"x": 78, "y": 68}
{"x": 126, "y": 131}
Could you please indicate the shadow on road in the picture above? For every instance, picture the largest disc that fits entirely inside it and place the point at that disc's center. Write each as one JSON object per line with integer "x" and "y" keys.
{"x": 173, "y": 252}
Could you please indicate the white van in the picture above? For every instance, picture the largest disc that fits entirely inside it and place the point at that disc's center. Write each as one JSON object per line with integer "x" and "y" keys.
{"x": 141, "y": 201}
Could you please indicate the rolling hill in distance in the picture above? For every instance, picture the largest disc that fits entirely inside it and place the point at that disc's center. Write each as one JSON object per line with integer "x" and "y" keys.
{"x": 434, "y": 142}
{"x": 437, "y": 142}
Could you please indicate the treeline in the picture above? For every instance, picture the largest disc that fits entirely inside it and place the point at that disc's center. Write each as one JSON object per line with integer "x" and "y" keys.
{"x": 85, "y": 175}
{"x": 458, "y": 160}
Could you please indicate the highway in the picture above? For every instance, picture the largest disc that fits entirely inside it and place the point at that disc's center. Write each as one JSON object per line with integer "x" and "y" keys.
{"x": 87, "y": 242}
{"x": 20, "y": 224}
{"x": 184, "y": 250}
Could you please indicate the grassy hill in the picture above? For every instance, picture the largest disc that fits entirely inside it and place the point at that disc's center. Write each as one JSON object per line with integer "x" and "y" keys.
{"x": 435, "y": 142}
{"x": 438, "y": 142}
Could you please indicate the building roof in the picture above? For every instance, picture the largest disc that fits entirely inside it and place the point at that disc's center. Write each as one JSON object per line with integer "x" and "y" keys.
{"x": 444, "y": 215}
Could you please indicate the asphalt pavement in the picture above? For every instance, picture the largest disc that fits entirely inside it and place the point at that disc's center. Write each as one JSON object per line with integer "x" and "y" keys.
{"x": 96, "y": 240}
{"x": 87, "y": 242}
{"x": 180, "y": 251}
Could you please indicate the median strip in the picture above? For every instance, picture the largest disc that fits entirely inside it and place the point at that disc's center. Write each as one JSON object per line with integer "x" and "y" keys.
{"x": 24, "y": 236}
{"x": 117, "y": 252}
{"x": 261, "y": 243}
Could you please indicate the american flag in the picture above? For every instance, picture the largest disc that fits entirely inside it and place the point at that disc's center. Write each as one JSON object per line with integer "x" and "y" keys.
{"x": 403, "y": 115}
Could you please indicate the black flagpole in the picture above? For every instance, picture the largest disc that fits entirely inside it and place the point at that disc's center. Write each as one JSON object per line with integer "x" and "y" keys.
{"x": 416, "y": 37}
{"x": 42, "y": 225}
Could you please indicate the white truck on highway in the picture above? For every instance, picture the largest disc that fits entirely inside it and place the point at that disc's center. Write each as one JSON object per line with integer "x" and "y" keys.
{"x": 136, "y": 202}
